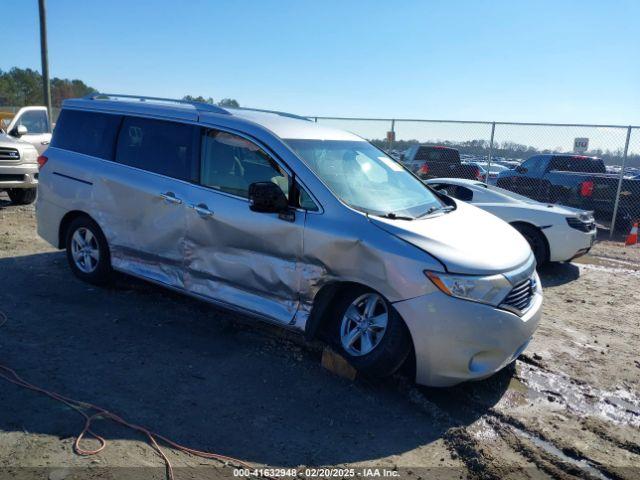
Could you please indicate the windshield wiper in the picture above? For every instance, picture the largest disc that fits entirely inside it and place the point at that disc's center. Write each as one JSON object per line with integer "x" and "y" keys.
{"x": 393, "y": 216}
{"x": 445, "y": 209}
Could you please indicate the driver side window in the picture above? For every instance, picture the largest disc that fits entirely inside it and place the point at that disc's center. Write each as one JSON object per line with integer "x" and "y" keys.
{"x": 35, "y": 121}
{"x": 231, "y": 163}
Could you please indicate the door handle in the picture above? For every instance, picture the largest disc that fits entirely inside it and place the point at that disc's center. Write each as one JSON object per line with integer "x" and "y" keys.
{"x": 44, "y": 142}
{"x": 202, "y": 210}
{"x": 171, "y": 198}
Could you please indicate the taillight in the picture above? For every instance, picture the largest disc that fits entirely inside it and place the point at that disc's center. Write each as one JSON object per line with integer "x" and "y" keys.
{"x": 41, "y": 161}
{"x": 586, "y": 189}
{"x": 424, "y": 169}
{"x": 479, "y": 175}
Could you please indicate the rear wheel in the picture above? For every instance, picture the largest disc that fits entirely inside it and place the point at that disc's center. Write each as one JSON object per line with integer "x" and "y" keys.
{"x": 88, "y": 251}
{"x": 369, "y": 333}
{"x": 22, "y": 196}
{"x": 537, "y": 242}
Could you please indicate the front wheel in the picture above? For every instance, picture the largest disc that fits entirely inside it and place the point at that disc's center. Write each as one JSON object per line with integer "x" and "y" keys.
{"x": 536, "y": 240}
{"x": 88, "y": 251}
{"x": 22, "y": 196}
{"x": 369, "y": 332}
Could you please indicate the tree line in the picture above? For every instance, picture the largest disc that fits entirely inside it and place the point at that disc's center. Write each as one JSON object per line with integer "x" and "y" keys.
{"x": 23, "y": 86}
{"x": 20, "y": 87}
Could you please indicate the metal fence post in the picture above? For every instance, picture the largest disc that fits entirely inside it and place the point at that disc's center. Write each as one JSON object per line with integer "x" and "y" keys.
{"x": 44, "y": 54}
{"x": 493, "y": 131}
{"x": 620, "y": 178}
{"x": 391, "y": 137}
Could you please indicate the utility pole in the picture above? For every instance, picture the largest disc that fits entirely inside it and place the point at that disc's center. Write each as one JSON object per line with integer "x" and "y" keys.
{"x": 45, "y": 57}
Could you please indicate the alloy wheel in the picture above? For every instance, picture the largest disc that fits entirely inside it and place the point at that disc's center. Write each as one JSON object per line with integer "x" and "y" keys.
{"x": 85, "y": 250}
{"x": 364, "y": 324}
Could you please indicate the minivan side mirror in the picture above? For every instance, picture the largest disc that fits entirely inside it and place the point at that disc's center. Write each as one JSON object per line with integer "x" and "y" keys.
{"x": 19, "y": 131}
{"x": 267, "y": 197}
{"x": 521, "y": 169}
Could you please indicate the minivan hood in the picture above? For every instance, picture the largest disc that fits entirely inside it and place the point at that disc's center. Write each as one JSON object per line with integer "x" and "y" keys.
{"x": 466, "y": 240}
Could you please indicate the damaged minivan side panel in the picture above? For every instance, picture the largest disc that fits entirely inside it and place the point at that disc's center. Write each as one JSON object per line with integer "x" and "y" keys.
{"x": 336, "y": 249}
{"x": 242, "y": 257}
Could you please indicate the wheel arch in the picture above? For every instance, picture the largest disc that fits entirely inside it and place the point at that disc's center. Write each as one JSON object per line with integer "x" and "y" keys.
{"x": 66, "y": 221}
{"x": 324, "y": 299}
{"x": 524, "y": 223}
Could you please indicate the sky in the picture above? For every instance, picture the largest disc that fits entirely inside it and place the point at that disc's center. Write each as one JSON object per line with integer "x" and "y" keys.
{"x": 506, "y": 60}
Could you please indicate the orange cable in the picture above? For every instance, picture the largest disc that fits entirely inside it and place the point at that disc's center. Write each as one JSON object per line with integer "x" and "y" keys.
{"x": 11, "y": 376}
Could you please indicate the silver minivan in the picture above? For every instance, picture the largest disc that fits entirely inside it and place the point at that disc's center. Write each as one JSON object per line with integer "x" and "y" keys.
{"x": 291, "y": 222}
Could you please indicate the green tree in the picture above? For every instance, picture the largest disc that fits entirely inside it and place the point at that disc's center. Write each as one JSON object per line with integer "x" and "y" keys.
{"x": 199, "y": 98}
{"x": 225, "y": 102}
{"x": 229, "y": 102}
{"x": 20, "y": 87}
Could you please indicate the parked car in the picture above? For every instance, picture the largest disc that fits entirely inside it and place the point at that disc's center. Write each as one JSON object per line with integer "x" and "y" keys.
{"x": 555, "y": 233}
{"x": 577, "y": 181}
{"x": 428, "y": 161}
{"x": 510, "y": 164}
{"x": 18, "y": 169}
{"x": 293, "y": 223}
{"x": 30, "y": 124}
{"x": 494, "y": 171}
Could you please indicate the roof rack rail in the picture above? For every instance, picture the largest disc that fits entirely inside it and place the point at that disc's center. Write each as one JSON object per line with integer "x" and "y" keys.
{"x": 282, "y": 114}
{"x": 200, "y": 106}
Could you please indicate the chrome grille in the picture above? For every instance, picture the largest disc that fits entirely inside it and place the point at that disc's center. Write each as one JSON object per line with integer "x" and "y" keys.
{"x": 520, "y": 296}
{"x": 7, "y": 153}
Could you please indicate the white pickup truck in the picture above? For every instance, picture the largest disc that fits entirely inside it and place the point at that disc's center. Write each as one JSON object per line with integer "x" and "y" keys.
{"x": 23, "y": 136}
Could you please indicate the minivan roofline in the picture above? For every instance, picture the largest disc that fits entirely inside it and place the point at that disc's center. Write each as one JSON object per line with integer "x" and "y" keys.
{"x": 199, "y": 106}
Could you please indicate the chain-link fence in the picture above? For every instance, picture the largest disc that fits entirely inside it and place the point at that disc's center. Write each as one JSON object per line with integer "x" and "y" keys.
{"x": 590, "y": 167}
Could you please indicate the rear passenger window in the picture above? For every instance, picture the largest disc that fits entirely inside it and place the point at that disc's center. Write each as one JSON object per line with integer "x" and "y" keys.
{"x": 231, "y": 163}
{"x": 577, "y": 164}
{"x": 559, "y": 163}
{"x": 166, "y": 148}
{"x": 90, "y": 133}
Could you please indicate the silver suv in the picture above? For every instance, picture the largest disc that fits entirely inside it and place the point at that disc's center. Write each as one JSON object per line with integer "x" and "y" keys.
{"x": 293, "y": 223}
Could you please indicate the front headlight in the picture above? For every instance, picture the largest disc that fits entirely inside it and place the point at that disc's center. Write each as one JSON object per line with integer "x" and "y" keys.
{"x": 30, "y": 155}
{"x": 586, "y": 217}
{"x": 491, "y": 289}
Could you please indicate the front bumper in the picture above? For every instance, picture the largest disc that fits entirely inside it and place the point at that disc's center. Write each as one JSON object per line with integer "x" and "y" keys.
{"x": 566, "y": 243}
{"x": 23, "y": 175}
{"x": 457, "y": 340}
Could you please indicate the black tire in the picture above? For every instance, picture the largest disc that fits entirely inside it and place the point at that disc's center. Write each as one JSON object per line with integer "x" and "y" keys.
{"x": 102, "y": 272}
{"x": 22, "y": 196}
{"x": 537, "y": 241}
{"x": 391, "y": 351}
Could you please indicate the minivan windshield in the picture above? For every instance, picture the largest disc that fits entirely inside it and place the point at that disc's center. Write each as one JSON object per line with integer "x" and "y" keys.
{"x": 367, "y": 179}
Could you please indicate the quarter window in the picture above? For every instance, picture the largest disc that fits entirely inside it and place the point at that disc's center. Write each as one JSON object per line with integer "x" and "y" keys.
{"x": 90, "y": 133}
{"x": 305, "y": 201}
{"x": 166, "y": 148}
{"x": 231, "y": 163}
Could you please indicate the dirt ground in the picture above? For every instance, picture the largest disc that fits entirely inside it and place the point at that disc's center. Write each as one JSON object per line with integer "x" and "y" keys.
{"x": 212, "y": 380}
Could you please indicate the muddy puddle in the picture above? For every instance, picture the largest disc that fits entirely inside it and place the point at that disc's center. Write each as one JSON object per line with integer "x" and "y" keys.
{"x": 619, "y": 406}
{"x": 581, "y": 464}
{"x": 608, "y": 264}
